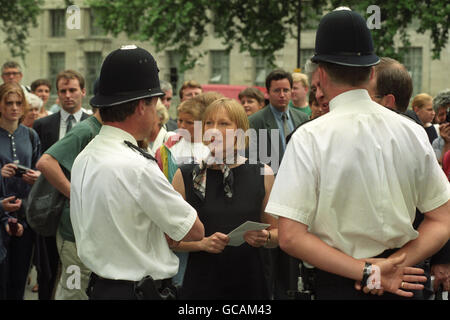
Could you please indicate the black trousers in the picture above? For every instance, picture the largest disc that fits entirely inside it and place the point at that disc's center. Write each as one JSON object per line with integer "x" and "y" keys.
{"x": 329, "y": 286}
{"x": 286, "y": 273}
{"x": 47, "y": 261}
{"x": 14, "y": 269}
{"x": 106, "y": 289}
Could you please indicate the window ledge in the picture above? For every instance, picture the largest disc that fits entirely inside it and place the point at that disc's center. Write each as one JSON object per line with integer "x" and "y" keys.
{"x": 94, "y": 38}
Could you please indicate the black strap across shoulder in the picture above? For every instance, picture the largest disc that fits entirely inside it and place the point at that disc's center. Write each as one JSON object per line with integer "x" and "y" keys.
{"x": 142, "y": 152}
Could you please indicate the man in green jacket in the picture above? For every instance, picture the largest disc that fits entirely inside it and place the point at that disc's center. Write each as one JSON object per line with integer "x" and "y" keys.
{"x": 56, "y": 165}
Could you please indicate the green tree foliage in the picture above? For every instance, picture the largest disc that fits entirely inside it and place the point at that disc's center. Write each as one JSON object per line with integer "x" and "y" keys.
{"x": 396, "y": 16}
{"x": 262, "y": 26}
{"x": 16, "y": 17}
{"x": 256, "y": 26}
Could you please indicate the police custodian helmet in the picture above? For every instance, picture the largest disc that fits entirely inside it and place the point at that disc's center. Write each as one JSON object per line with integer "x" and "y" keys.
{"x": 344, "y": 39}
{"x": 127, "y": 74}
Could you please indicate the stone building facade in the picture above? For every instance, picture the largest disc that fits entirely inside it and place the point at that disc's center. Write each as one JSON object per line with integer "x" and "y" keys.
{"x": 54, "y": 47}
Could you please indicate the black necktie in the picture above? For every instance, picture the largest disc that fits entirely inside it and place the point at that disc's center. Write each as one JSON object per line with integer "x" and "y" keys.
{"x": 69, "y": 123}
{"x": 286, "y": 128}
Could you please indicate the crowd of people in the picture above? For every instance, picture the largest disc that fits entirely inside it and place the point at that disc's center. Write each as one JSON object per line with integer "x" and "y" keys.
{"x": 347, "y": 174}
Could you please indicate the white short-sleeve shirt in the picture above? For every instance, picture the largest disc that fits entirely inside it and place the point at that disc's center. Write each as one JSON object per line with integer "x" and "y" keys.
{"x": 121, "y": 205}
{"x": 356, "y": 175}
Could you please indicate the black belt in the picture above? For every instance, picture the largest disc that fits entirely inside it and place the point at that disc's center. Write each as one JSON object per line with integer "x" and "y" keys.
{"x": 144, "y": 289}
{"x": 157, "y": 283}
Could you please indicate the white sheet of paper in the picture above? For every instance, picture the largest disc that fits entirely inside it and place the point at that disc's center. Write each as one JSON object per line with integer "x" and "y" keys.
{"x": 237, "y": 235}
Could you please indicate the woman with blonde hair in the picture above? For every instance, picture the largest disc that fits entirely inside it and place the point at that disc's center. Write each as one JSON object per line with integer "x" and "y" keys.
{"x": 422, "y": 106}
{"x": 19, "y": 152}
{"x": 159, "y": 135}
{"x": 226, "y": 190}
{"x": 185, "y": 147}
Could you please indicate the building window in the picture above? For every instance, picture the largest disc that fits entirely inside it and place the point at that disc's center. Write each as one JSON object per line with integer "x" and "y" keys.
{"x": 174, "y": 77}
{"x": 220, "y": 67}
{"x": 93, "y": 66}
{"x": 305, "y": 54}
{"x": 94, "y": 27}
{"x": 413, "y": 62}
{"x": 57, "y": 23}
{"x": 262, "y": 69}
{"x": 57, "y": 63}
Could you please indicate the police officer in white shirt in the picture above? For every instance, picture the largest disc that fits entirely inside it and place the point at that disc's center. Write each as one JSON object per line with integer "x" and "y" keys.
{"x": 124, "y": 212}
{"x": 359, "y": 184}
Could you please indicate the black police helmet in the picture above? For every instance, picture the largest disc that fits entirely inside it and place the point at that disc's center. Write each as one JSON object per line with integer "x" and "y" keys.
{"x": 343, "y": 38}
{"x": 127, "y": 74}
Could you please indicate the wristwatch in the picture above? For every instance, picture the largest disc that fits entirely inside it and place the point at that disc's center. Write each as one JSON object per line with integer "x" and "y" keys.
{"x": 366, "y": 274}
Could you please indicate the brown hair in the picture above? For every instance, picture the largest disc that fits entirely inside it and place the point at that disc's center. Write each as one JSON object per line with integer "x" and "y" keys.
{"x": 253, "y": 93}
{"x": 197, "y": 105}
{"x": 120, "y": 112}
{"x": 69, "y": 75}
{"x": 352, "y": 76}
{"x": 14, "y": 88}
{"x": 189, "y": 84}
{"x": 393, "y": 78}
{"x": 40, "y": 82}
{"x": 278, "y": 74}
{"x": 312, "y": 98}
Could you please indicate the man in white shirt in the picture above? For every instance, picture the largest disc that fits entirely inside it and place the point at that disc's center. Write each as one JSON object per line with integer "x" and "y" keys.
{"x": 391, "y": 86}
{"x": 359, "y": 184}
{"x": 124, "y": 212}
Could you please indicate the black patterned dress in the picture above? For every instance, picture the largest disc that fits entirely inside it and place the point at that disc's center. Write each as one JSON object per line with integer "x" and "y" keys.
{"x": 236, "y": 272}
